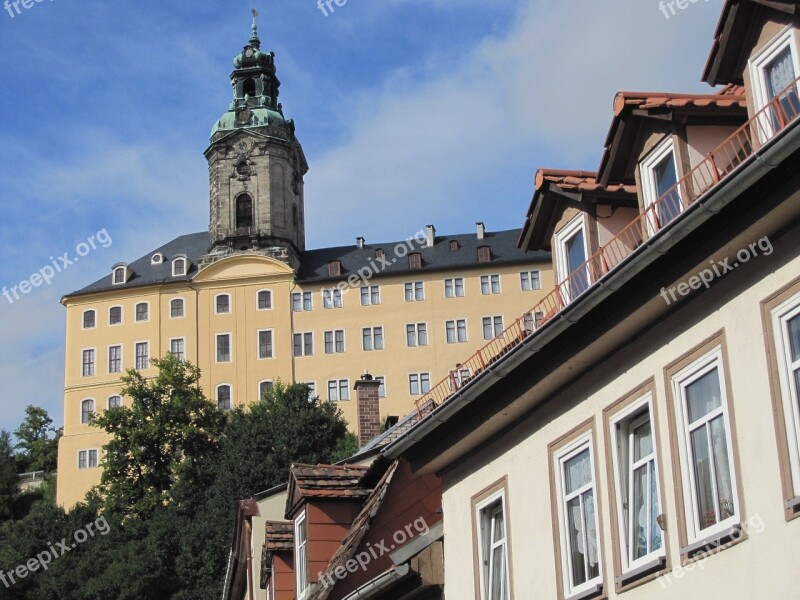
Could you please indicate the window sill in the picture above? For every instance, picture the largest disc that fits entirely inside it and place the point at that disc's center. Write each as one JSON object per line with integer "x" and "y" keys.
{"x": 714, "y": 541}
{"x": 793, "y": 504}
{"x": 648, "y": 568}
{"x": 592, "y": 592}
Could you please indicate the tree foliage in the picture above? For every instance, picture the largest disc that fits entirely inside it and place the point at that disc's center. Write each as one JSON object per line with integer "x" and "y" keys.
{"x": 37, "y": 442}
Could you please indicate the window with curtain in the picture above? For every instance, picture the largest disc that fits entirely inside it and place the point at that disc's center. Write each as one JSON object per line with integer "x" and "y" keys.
{"x": 493, "y": 551}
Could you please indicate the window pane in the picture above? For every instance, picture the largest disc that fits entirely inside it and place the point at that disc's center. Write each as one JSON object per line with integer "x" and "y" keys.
{"x": 793, "y": 327}
{"x": 577, "y": 541}
{"x": 703, "y": 396}
{"x": 642, "y": 441}
{"x": 378, "y": 338}
{"x": 578, "y": 471}
{"x": 498, "y": 591}
{"x": 703, "y": 479}
{"x": 722, "y": 468}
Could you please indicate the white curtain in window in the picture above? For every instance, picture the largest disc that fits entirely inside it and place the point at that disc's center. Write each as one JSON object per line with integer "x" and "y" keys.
{"x": 780, "y": 73}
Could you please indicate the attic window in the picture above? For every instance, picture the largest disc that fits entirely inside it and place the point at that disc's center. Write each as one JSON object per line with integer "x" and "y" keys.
{"x": 415, "y": 261}
{"x": 454, "y": 245}
{"x": 179, "y": 267}
{"x": 334, "y": 268}
{"x": 484, "y": 254}
{"x": 157, "y": 259}
{"x": 379, "y": 253}
{"x": 119, "y": 275}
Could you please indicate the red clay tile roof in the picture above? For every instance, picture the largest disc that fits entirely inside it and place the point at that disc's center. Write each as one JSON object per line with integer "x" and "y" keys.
{"x": 358, "y": 529}
{"x": 325, "y": 481}
{"x": 278, "y": 536}
{"x": 579, "y": 181}
{"x": 649, "y": 100}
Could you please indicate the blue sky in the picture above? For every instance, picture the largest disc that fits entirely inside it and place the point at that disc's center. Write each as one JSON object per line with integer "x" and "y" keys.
{"x": 410, "y": 112}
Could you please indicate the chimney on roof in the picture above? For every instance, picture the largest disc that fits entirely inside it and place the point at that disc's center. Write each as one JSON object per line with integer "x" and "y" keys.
{"x": 481, "y": 229}
{"x": 369, "y": 410}
{"x": 430, "y": 231}
{"x": 360, "y": 243}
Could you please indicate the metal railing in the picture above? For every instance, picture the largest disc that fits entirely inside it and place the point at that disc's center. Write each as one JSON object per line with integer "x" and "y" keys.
{"x": 781, "y": 111}
{"x": 32, "y": 476}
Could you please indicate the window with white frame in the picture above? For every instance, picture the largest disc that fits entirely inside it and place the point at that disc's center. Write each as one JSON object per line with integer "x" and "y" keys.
{"x": 89, "y": 319}
{"x": 659, "y": 173}
{"x": 382, "y": 388}
{"x": 142, "y": 312}
{"x": 301, "y": 555}
{"x": 115, "y": 359}
{"x": 571, "y": 256}
{"x": 177, "y": 347}
{"x": 265, "y": 346}
{"x": 264, "y": 387}
{"x": 114, "y": 401}
{"x": 87, "y": 411}
{"x": 332, "y": 298}
{"x": 414, "y": 291}
{"x": 303, "y": 344}
{"x": 334, "y": 341}
{"x": 370, "y": 295}
{"x": 493, "y": 548}
{"x": 492, "y": 327}
{"x": 459, "y": 376}
{"x": 530, "y": 280}
{"x": 87, "y": 364}
{"x": 312, "y": 389}
{"x": 223, "y": 347}
{"x": 338, "y": 390}
{"x": 419, "y": 383}
{"x": 179, "y": 267}
{"x": 120, "y": 275}
{"x": 142, "y": 355}
{"x": 490, "y": 284}
{"x": 454, "y": 287}
{"x": 372, "y": 338}
{"x": 416, "y": 334}
{"x": 264, "y": 300}
{"x": 115, "y": 315}
{"x": 176, "y": 308}
{"x": 578, "y": 519}
{"x": 704, "y": 440}
{"x": 456, "y": 331}
{"x": 786, "y": 327}
{"x": 87, "y": 459}
{"x": 222, "y": 304}
{"x": 224, "y": 397}
{"x": 302, "y": 301}
{"x": 773, "y": 70}
{"x": 636, "y": 485}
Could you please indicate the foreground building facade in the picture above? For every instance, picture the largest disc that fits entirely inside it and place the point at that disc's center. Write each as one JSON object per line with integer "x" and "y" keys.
{"x": 249, "y": 304}
{"x": 642, "y": 441}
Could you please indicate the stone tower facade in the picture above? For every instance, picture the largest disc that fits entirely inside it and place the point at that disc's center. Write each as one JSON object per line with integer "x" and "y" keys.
{"x": 256, "y": 167}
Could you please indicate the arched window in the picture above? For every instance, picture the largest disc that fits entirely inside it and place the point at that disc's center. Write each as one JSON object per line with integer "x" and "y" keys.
{"x": 224, "y": 397}
{"x": 114, "y": 401}
{"x": 249, "y": 87}
{"x": 87, "y": 410}
{"x": 244, "y": 212}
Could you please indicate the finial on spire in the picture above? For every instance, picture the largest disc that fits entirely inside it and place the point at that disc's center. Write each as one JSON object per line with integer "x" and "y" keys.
{"x": 254, "y": 41}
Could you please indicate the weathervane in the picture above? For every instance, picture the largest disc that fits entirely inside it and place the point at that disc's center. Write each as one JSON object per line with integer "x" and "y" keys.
{"x": 255, "y": 14}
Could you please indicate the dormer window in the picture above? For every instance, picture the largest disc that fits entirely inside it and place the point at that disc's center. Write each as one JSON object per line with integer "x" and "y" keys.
{"x": 659, "y": 173}
{"x": 571, "y": 257}
{"x": 119, "y": 275}
{"x": 454, "y": 245}
{"x": 334, "y": 268}
{"x": 484, "y": 254}
{"x": 415, "y": 260}
{"x": 157, "y": 259}
{"x": 773, "y": 70}
{"x": 244, "y": 213}
{"x": 179, "y": 267}
{"x": 379, "y": 253}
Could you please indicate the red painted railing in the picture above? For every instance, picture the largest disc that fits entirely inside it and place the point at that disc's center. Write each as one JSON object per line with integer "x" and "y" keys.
{"x": 781, "y": 111}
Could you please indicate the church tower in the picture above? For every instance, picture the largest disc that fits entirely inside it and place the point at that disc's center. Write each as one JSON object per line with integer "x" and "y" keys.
{"x": 256, "y": 167}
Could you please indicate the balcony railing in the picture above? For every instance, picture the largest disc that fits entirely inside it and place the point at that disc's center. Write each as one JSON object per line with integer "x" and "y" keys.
{"x": 720, "y": 163}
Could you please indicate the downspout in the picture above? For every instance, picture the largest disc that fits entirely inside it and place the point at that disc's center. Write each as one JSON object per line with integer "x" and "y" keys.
{"x": 249, "y": 530}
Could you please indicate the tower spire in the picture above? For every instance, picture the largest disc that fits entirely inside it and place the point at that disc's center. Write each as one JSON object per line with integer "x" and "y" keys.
{"x": 254, "y": 41}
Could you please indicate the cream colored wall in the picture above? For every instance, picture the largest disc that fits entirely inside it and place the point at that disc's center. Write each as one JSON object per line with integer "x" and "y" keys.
{"x": 271, "y": 508}
{"x": 610, "y": 224}
{"x": 242, "y": 277}
{"x": 764, "y": 565}
{"x": 702, "y": 140}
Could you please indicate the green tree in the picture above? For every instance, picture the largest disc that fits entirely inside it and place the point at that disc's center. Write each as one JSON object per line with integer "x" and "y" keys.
{"x": 161, "y": 442}
{"x": 8, "y": 476}
{"x": 37, "y": 441}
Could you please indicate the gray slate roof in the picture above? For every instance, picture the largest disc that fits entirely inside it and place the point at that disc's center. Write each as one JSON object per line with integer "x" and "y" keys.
{"x": 314, "y": 263}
